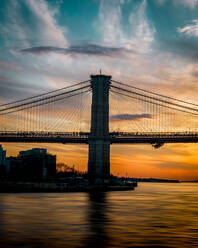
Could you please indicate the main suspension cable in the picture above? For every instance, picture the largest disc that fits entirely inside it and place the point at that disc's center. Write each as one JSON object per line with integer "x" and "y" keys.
{"x": 43, "y": 103}
{"x": 154, "y": 98}
{"x": 153, "y": 93}
{"x": 161, "y": 105}
{"x": 44, "y": 94}
{"x": 43, "y": 99}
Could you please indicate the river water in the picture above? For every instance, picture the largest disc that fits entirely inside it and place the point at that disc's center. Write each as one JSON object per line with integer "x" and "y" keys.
{"x": 153, "y": 215}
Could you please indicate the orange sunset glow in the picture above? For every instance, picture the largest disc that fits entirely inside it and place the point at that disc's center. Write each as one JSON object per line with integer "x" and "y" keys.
{"x": 98, "y": 123}
{"x": 154, "y": 61}
{"x": 171, "y": 161}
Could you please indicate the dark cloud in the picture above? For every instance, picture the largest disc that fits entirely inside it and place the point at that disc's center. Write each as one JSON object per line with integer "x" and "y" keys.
{"x": 85, "y": 49}
{"x": 4, "y": 65}
{"x": 195, "y": 73}
{"x": 176, "y": 165}
{"x": 123, "y": 117}
{"x": 13, "y": 90}
{"x": 187, "y": 48}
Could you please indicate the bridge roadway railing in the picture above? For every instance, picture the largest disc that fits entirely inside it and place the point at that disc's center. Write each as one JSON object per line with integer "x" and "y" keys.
{"x": 115, "y": 137}
{"x": 155, "y": 138}
{"x": 42, "y": 134}
{"x": 153, "y": 134}
{"x": 44, "y": 137}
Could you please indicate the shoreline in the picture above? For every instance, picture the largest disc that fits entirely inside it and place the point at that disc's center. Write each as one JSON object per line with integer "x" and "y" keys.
{"x": 59, "y": 188}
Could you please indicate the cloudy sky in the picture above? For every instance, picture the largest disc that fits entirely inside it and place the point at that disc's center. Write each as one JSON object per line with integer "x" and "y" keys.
{"x": 153, "y": 44}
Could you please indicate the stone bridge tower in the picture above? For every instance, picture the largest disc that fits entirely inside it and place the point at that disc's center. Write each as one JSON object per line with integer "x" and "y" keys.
{"x": 99, "y": 140}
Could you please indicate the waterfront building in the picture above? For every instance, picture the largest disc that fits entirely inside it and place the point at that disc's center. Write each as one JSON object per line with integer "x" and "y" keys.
{"x": 2, "y": 156}
{"x": 4, "y": 163}
{"x": 34, "y": 163}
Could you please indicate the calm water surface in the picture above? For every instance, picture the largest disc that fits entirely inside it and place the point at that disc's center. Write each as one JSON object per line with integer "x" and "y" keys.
{"x": 154, "y": 215}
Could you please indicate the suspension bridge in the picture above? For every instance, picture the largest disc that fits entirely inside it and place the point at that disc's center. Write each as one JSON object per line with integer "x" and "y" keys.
{"x": 99, "y": 112}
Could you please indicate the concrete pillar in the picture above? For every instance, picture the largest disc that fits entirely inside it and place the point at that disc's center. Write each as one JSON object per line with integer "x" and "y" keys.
{"x": 99, "y": 141}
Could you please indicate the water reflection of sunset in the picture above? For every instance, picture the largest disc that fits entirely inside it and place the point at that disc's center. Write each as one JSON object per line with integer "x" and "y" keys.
{"x": 154, "y": 214}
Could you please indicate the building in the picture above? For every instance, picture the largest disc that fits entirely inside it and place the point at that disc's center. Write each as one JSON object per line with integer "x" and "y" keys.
{"x": 2, "y": 156}
{"x": 4, "y": 164}
{"x": 34, "y": 163}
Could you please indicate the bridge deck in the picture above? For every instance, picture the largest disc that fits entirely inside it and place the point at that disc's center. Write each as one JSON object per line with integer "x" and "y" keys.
{"x": 82, "y": 138}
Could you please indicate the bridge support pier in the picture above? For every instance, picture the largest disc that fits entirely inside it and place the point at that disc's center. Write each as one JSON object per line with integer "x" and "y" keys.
{"x": 99, "y": 140}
